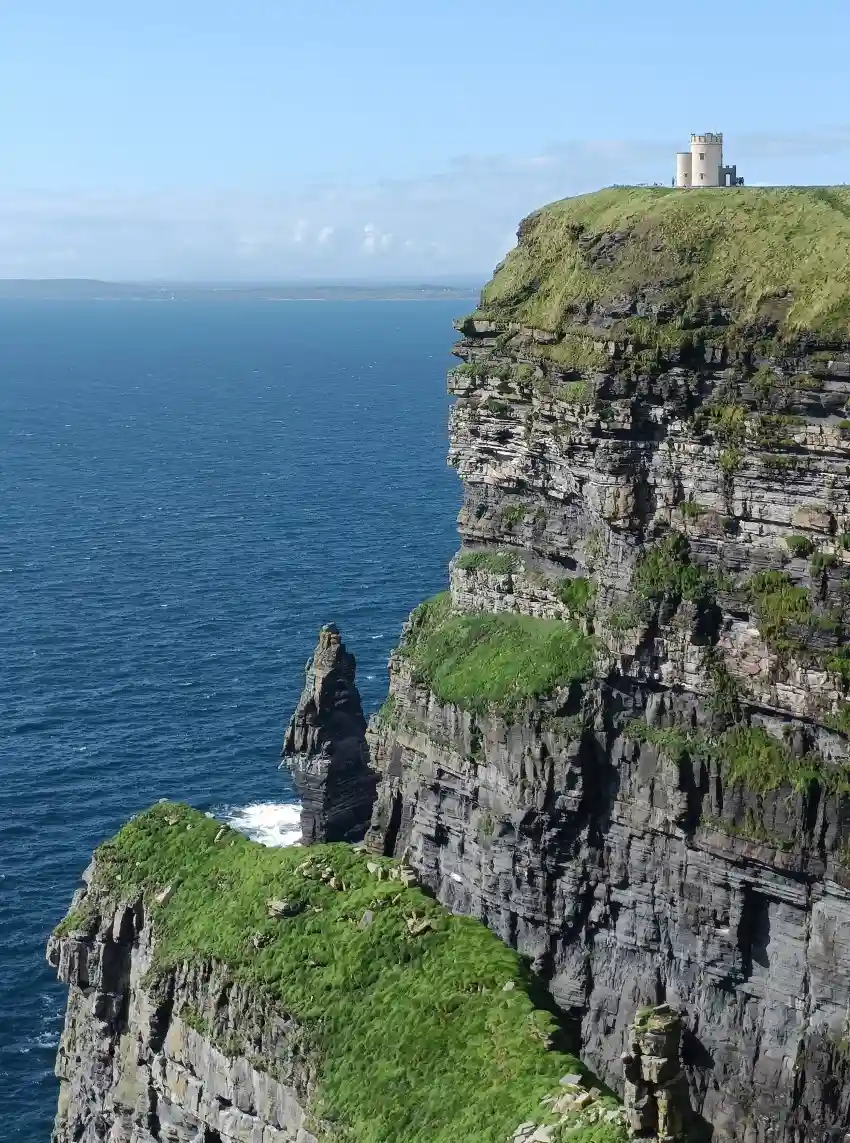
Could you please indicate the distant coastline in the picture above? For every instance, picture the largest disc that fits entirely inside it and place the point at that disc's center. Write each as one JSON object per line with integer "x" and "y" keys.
{"x": 71, "y": 289}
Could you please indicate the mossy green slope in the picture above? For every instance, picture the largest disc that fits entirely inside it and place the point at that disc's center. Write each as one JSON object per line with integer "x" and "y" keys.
{"x": 493, "y": 662}
{"x": 415, "y": 1036}
{"x": 781, "y": 253}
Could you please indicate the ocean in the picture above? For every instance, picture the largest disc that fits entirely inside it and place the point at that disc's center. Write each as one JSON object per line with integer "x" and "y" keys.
{"x": 188, "y": 490}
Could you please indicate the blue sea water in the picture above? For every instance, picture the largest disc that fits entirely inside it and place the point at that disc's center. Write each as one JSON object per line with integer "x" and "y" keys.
{"x": 187, "y": 491}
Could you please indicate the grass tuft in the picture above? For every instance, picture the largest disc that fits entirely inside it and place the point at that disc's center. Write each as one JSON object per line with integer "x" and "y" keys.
{"x": 665, "y": 573}
{"x": 576, "y": 594}
{"x": 499, "y": 563}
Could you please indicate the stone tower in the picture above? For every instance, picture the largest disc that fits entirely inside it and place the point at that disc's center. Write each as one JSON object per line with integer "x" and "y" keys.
{"x": 702, "y": 165}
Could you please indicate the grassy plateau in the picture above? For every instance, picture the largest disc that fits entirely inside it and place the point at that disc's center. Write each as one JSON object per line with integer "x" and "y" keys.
{"x": 781, "y": 253}
{"x": 415, "y": 1035}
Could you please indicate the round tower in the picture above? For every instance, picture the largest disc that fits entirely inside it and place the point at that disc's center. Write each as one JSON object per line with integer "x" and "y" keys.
{"x": 684, "y": 169}
{"x": 706, "y": 159}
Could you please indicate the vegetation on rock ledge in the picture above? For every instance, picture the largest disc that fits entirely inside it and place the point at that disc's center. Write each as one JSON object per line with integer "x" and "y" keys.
{"x": 497, "y": 563}
{"x": 493, "y": 662}
{"x": 415, "y": 1035}
{"x": 748, "y": 756}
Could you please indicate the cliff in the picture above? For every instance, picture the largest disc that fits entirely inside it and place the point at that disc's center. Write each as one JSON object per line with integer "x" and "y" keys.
{"x": 223, "y": 992}
{"x": 621, "y": 738}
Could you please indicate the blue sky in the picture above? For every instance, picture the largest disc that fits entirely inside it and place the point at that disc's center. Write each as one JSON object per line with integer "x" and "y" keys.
{"x": 269, "y": 139}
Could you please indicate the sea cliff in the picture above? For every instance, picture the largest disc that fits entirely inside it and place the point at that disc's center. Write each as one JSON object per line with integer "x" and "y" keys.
{"x": 224, "y": 992}
{"x": 620, "y": 741}
{"x": 621, "y": 738}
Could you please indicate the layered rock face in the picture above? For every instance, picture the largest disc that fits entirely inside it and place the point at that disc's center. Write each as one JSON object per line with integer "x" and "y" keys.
{"x": 141, "y": 1061}
{"x": 224, "y": 992}
{"x": 325, "y": 747}
{"x": 650, "y": 424}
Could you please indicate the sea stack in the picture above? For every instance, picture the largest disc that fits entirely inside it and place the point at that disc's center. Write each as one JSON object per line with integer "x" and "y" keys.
{"x": 325, "y": 747}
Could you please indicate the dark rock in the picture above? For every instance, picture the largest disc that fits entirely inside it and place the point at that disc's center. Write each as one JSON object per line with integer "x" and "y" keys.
{"x": 629, "y": 876}
{"x": 325, "y": 747}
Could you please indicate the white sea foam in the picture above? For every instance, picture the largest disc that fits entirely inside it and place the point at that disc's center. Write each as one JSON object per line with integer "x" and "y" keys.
{"x": 270, "y": 823}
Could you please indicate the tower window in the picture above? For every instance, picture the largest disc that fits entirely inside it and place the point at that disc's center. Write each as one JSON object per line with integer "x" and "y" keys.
{"x": 702, "y": 176}
{"x": 702, "y": 156}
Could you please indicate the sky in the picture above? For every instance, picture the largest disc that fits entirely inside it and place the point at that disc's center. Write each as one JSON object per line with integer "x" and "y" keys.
{"x": 269, "y": 140}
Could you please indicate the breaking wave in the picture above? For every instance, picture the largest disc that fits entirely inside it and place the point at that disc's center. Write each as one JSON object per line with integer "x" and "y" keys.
{"x": 270, "y": 823}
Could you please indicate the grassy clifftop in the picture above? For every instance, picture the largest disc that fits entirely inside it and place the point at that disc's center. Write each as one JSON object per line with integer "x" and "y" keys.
{"x": 779, "y": 255}
{"x": 421, "y": 1023}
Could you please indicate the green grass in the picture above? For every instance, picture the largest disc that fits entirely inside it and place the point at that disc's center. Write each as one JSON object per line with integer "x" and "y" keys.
{"x": 414, "y": 1038}
{"x": 764, "y": 382}
{"x": 499, "y": 563}
{"x": 799, "y": 546}
{"x": 729, "y": 422}
{"x": 665, "y": 572}
{"x": 821, "y": 562}
{"x": 574, "y": 392}
{"x": 780, "y": 252}
{"x": 493, "y": 662}
{"x": 748, "y": 756}
{"x": 513, "y": 514}
{"x": 672, "y": 741}
{"x": 730, "y": 460}
{"x": 785, "y": 615}
{"x": 387, "y": 714}
{"x": 761, "y": 763}
{"x": 576, "y": 594}
{"x": 779, "y": 604}
{"x": 839, "y": 720}
{"x": 691, "y": 509}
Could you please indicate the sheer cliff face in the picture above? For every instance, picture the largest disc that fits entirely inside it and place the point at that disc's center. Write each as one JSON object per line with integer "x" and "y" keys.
{"x": 660, "y": 459}
{"x": 137, "y": 1062}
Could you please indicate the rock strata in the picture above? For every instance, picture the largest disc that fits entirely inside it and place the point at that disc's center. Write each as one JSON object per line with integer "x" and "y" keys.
{"x": 143, "y": 1060}
{"x": 655, "y": 451}
{"x": 325, "y": 747}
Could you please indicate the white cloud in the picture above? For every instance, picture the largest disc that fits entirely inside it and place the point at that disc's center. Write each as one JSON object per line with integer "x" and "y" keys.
{"x": 375, "y": 240}
{"x": 370, "y": 238}
{"x": 459, "y": 220}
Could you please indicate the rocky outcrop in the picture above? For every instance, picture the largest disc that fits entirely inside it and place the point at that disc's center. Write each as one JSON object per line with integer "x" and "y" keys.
{"x": 669, "y": 474}
{"x": 225, "y": 992}
{"x": 632, "y": 873}
{"x": 656, "y": 1091}
{"x": 621, "y": 739}
{"x": 184, "y": 1055}
{"x": 325, "y": 747}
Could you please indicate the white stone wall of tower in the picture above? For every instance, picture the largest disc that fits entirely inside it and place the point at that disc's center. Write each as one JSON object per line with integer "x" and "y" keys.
{"x": 704, "y": 169}
{"x": 683, "y": 169}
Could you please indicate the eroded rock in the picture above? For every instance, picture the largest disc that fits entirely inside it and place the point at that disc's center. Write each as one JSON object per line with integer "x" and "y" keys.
{"x": 325, "y": 747}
